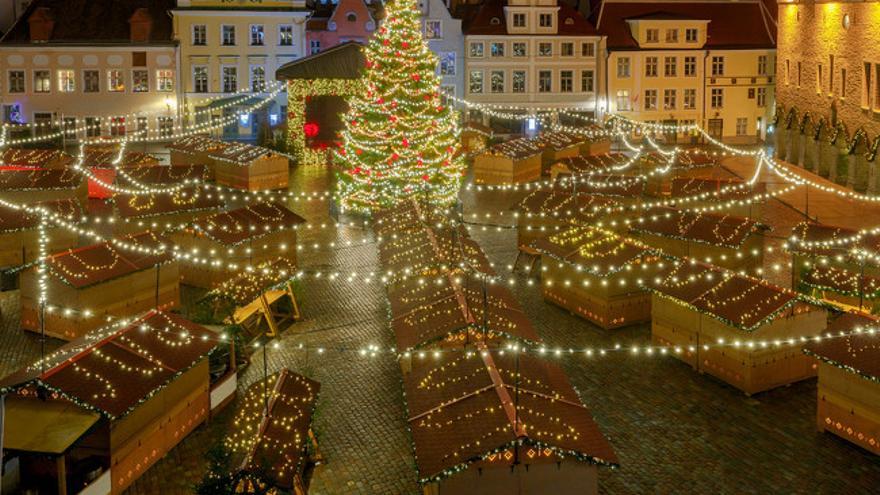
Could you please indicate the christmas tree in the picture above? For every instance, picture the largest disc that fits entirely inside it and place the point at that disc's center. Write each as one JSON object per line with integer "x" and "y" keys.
{"x": 400, "y": 140}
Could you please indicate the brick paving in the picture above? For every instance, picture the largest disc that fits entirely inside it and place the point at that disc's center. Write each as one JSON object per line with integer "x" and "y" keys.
{"x": 674, "y": 430}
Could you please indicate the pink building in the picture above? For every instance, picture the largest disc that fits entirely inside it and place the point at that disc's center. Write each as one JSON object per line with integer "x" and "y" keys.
{"x": 338, "y": 21}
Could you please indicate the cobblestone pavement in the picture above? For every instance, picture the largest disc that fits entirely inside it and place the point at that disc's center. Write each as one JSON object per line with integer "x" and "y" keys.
{"x": 675, "y": 431}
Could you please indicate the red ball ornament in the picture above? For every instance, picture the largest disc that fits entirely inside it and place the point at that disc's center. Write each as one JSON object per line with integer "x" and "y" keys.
{"x": 393, "y": 104}
{"x": 416, "y": 77}
{"x": 405, "y": 44}
{"x": 358, "y": 152}
{"x": 311, "y": 129}
{"x": 394, "y": 157}
{"x": 426, "y": 178}
{"x": 405, "y": 143}
{"x": 386, "y": 42}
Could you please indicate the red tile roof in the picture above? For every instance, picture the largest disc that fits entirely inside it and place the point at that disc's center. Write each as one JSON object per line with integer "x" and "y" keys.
{"x": 494, "y": 9}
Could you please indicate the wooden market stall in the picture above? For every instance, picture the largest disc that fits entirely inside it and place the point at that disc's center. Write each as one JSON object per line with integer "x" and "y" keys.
{"x": 38, "y": 185}
{"x": 661, "y": 168}
{"x": 474, "y": 137}
{"x": 25, "y": 158}
{"x": 601, "y": 163}
{"x": 430, "y": 250}
{"x": 596, "y": 140}
{"x": 406, "y": 216}
{"x": 729, "y": 195}
{"x": 848, "y": 402}
{"x": 694, "y": 305}
{"x": 557, "y": 145}
{"x": 88, "y": 284}
{"x": 250, "y": 168}
{"x": 194, "y": 150}
{"x": 278, "y": 440}
{"x": 98, "y": 412}
{"x": 103, "y": 160}
{"x": 160, "y": 212}
{"x": 238, "y": 238}
{"x": 551, "y": 210}
{"x": 735, "y": 243}
{"x": 851, "y": 291}
{"x": 517, "y": 161}
{"x": 20, "y": 236}
{"x": 816, "y": 244}
{"x": 488, "y": 423}
{"x": 595, "y": 274}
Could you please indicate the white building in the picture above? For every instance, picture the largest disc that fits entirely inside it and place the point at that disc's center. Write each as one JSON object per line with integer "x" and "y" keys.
{"x": 444, "y": 36}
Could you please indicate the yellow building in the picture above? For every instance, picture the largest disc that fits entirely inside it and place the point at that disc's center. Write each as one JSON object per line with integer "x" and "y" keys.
{"x": 227, "y": 46}
{"x": 709, "y": 63}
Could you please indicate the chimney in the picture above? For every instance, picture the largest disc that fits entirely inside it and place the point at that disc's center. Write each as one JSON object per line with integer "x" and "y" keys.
{"x": 141, "y": 23}
{"x": 41, "y": 25}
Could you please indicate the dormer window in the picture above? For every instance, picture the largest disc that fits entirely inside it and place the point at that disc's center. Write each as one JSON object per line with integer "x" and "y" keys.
{"x": 569, "y": 21}
{"x": 495, "y": 21}
{"x": 690, "y": 35}
{"x": 351, "y": 17}
{"x": 545, "y": 20}
{"x": 652, "y": 36}
{"x": 672, "y": 35}
{"x": 519, "y": 20}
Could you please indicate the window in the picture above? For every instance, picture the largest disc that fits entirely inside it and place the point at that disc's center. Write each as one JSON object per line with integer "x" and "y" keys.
{"x": 258, "y": 78}
{"x": 476, "y": 50}
{"x": 230, "y": 79}
{"x": 762, "y": 97}
{"x": 199, "y": 35}
{"x": 66, "y": 81}
{"x": 115, "y": 80}
{"x": 545, "y": 49}
{"x": 672, "y": 35}
{"x": 200, "y": 79}
{"x": 140, "y": 81}
{"x": 843, "y": 83}
{"x": 690, "y": 66}
{"x": 68, "y": 124}
{"x": 650, "y": 99}
{"x": 717, "y": 66}
{"x": 447, "y": 63}
{"x": 496, "y": 81}
{"x": 669, "y": 66}
{"x": 866, "y": 84}
{"x": 623, "y": 67}
{"x": 142, "y": 126}
{"x": 689, "y": 99}
{"x": 717, "y": 98}
{"x": 587, "y": 81}
{"x": 751, "y": 93}
{"x": 227, "y": 35}
{"x": 496, "y": 49}
{"x": 165, "y": 80}
{"x": 545, "y": 20}
{"x": 91, "y": 81}
{"x": 623, "y": 103}
{"x": 475, "y": 83}
{"x": 16, "y": 81}
{"x": 166, "y": 126}
{"x": 787, "y": 72}
{"x": 258, "y": 36}
{"x": 588, "y": 49}
{"x": 519, "y": 81}
{"x": 351, "y": 17}
{"x": 44, "y": 121}
{"x": 652, "y": 36}
{"x": 117, "y": 126}
{"x": 566, "y": 49}
{"x": 741, "y": 126}
{"x": 762, "y": 65}
{"x": 669, "y": 97}
{"x": 690, "y": 35}
{"x": 651, "y": 66}
{"x": 433, "y": 29}
{"x": 42, "y": 81}
{"x": 285, "y": 35}
{"x": 314, "y": 46}
{"x": 545, "y": 81}
{"x": 830, "y": 75}
{"x": 93, "y": 127}
{"x": 566, "y": 81}
{"x": 519, "y": 20}
{"x": 519, "y": 49}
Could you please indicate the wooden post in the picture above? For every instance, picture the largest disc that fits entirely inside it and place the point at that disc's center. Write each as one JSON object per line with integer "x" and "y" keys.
{"x": 267, "y": 312}
{"x": 296, "y": 313}
{"x": 62, "y": 474}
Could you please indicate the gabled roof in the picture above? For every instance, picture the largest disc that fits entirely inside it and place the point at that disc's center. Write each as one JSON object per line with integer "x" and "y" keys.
{"x": 732, "y": 24}
{"x": 148, "y": 204}
{"x": 831, "y": 240}
{"x": 407, "y": 216}
{"x": 12, "y": 220}
{"x": 490, "y": 19}
{"x": 430, "y": 247}
{"x": 708, "y": 228}
{"x": 164, "y": 174}
{"x": 40, "y": 179}
{"x": 842, "y": 281}
{"x": 598, "y": 252}
{"x": 857, "y": 353}
{"x": 343, "y": 61}
{"x": 248, "y": 222}
{"x": 561, "y": 204}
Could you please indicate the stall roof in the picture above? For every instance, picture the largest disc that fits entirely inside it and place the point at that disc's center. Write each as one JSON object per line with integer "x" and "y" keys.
{"x": 406, "y": 216}
{"x": 104, "y": 156}
{"x": 429, "y": 247}
{"x": 248, "y": 222}
{"x": 823, "y": 233}
{"x": 714, "y": 189}
{"x": 112, "y": 370}
{"x": 842, "y": 281}
{"x": 461, "y": 412}
{"x": 599, "y": 252}
{"x": 516, "y": 149}
{"x": 558, "y": 140}
{"x": 196, "y": 144}
{"x": 562, "y": 204}
{"x": 240, "y": 153}
{"x": 23, "y": 157}
{"x": 343, "y": 61}
{"x": 39, "y": 179}
{"x": 46, "y": 427}
{"x": 151, "y": 204}
{"x": 12, "y": 220}
{"x": 856, "y": 353}
{"x": 707, "y": 228}
{"x": 164, "y": 174}
{"x": 583, "y": 164}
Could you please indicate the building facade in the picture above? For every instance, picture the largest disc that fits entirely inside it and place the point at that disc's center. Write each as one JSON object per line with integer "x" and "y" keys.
{"x": 829, "y": 89}
{"x": 229, "y": 46}
{"x": 445, "y": 38}
{"x": 709, "y": 63}
{"x": 127, "y": 68}
{"x": 532, "y": 54}
{"x": 333, "y": 23}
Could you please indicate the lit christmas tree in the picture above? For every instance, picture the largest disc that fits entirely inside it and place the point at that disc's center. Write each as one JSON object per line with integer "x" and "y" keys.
{"x": 400, "y": 140}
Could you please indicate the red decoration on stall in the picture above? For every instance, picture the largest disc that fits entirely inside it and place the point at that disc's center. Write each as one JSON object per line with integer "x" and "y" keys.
{"x": 311, "y": 129}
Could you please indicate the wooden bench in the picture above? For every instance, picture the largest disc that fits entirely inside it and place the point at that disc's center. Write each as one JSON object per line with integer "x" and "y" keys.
{"x": 531, "y": 254}
{"x": 251, "y": 315}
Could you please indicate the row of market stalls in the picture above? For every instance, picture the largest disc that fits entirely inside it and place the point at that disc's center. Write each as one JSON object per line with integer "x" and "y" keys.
{"x": 482, "y": 420}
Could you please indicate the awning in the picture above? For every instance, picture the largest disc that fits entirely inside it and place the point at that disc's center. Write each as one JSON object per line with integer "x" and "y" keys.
{"x": 47, "y": 427}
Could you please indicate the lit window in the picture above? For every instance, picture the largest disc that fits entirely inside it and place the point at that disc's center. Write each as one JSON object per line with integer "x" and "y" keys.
{"x": 42, "y": 81}
{"x": 258, "y": 36}
{"x": 433, "y": 30}
{"x": 165, "y": 80}
{"x": 285, "y": 35}
{"x": 115, "y": 80}
{"x": 227, "y": 35}
{"x": 623, "y": 101}
{"x": 140, "y": 81}
{"x": 66, "y": 81}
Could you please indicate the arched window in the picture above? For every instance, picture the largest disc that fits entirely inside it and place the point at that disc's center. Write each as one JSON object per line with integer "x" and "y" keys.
{"x": 495, "y": 21}
{"x": 569, "y": 21}
{"x": 351, "y": 17}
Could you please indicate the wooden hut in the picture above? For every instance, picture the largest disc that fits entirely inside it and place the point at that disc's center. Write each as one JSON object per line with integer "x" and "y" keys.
{"x": 491, "y": 423}
{"x": 406, "y": 216}
{"x": 103, "y": 160}
{"x": 194, "y": 150}
{"x": 549, "y": 211}
{"x": 39, "y": 185}
{"x": 250, "y": 168}
{"x": 88, "y": 284}
{"x": 474, "y": 137}
{"x": 228, "y": 242}
{"x": 597, "y": 275}
{"x": 696, "y": 305}
{"x": 280, "y": 440}
{"x": 848, "y": 402}
{"x": 517, "y": 161}
{"x": 735, "y": 243}
{"x": 596, "y": 141}
{"x": 430, "y": 250}
{"x": 25, "y": 159}
{"x": 851, "y": 291}
{"x": 557, "y": 145}
{"x": 20, "y": 237}
{"x": 731, "y": 196}
{"x": 602, "y": 163}
{"x": 98, "y": 412}
{"x": 815, "y": 244}
{"x": 161, "y": 212}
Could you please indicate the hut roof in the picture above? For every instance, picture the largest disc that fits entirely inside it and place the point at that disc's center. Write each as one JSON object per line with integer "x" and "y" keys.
{"x": 107, "y": 156}
{"x": 857, "y": 353}
{"x": 21, "y": 157}
{"x": 625, "y": 186}
{"x": 424, "y": 313}
{"x": 246, "y": 286}
{"x": 830, "y": 234}
{"x": 429, "y": 247}
{"x": 695, "y": 158}
{"x": 90, "y": 265}
{"x": 714, "y": 189}
{"x": 842, "y": 281}
{"x": 39, "y": 179}
{"x": 246, "y": 223}
{"x": 343, "y": 61}
{"x": 558, "y": 140}
{"x": 561, "y": 203}
{"x": 708, "y": 228}
{"x": 240, "y": 153}
{"x": 164, "y": 174}
{"x": 583, "y": 164}
{"x": 462, "y": 412}
{"x": 114, "y": 369}
{"x": 13, "y": 220}
{"x": 516, "y": 149}
{"x": 152, "y": 204}
{"x": 406, "y": 216}
{"x": 599, "y": 252}
{"x": 196, "y": 144}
